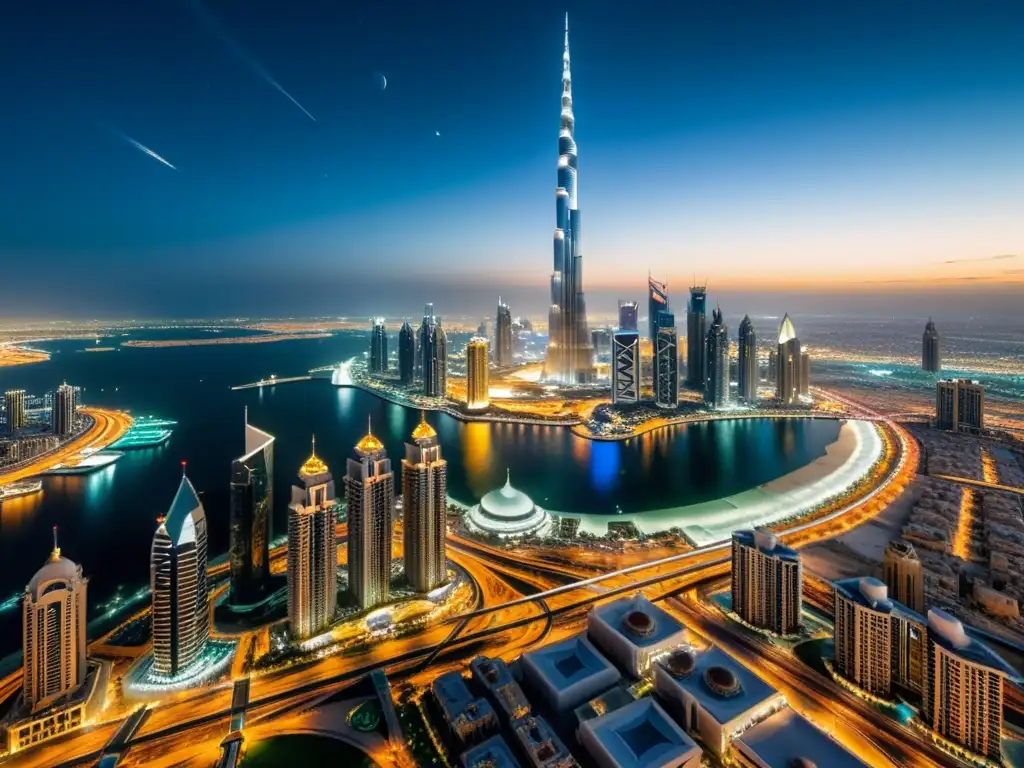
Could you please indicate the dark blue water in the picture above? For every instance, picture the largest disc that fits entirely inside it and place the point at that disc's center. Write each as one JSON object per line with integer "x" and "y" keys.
{"x": 107, "y": 519}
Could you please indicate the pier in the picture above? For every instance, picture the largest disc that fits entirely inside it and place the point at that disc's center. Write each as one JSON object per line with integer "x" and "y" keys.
{"x": 271, "y": 382}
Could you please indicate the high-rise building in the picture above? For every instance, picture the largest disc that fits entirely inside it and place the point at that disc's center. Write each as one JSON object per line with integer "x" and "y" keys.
{"x": 628, "y": 315}
{"x": 716, "y": 386}
{"x": 931, "y": 358}
{"x": 904, "y": 575}
{"x": 788, "y": 365}
{"x": 64, "y": 413}
{"x": 435, "y": 362}
{"x": 626, "y": 366}
{"x": 502, "y": 336}
{"x": 773, "y": 366}
{"x": 601, "y": 343}
{"x": 767, "y": 582}
{"x": 476, "y": 374}
{"x": 963, "y": 692}
{"x": 423, "y": 337}
{"x": 696, "y": 333}
{"x": 370, "y": 499}
{"x": 14, "y": 405}
{"x": 959, "y": 405}
{"x": 378, "y": 347}
{"x": 666, "y": 362}
{"x": 406, "y": 354}
{"x": 177, "y": 580}
{"x": 748, "y": 368}
{"x": 251, "y": 514}
{"x": 53, "y": 631}
{"x": 312, "y": 550}
{"x": 569, "y": 357}
{"x": 424, "y": 504}
{"x": 657, "y": 302}
{"x": 804, "y": 384}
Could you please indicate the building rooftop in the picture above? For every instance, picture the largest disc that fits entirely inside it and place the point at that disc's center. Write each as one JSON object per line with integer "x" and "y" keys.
{"x": 637, "y": 620}
{"x": 638, "y": 735}
{"x": 314, "y": 464}
{"x": 540, "y": 741}
{"x": 455, "y": 700}
{"x": 570, "y": 661}
{"x": 767, "y": 543}
{"x": 948, "y": 632}
{"x": 181, "y": 518}
{"x": 495, "y": 676}
{"x": 493, "y": 753}
{"x": 507, "y": 502}
{"x": 786, "y": 739}
{"x": 786, "y": 330}
{"x": 423, "y": 430}
{"x": 872, "y": 593}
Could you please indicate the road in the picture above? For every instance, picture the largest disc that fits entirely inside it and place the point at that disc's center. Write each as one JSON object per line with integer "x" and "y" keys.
{"x": 981, "y": 484}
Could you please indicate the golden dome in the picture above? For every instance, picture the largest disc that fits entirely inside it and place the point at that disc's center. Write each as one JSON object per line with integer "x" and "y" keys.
{"x": 423, "y": 430}
{"x": 314, "y": 464}
{"x": 369, "y": 444}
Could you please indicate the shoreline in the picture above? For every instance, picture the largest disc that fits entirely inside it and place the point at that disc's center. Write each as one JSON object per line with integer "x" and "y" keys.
{"x": 269, "y": 338}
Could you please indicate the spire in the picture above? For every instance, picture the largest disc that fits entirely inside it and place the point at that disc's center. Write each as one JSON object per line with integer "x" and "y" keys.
{"x": 245, "y": 415}
{"x": 55, "y": 555}
{"x": 369, "y": 444}
{"x": 183, "y": 465}
{"x": 508, "y": 472}
{"x": 314, "y": 465}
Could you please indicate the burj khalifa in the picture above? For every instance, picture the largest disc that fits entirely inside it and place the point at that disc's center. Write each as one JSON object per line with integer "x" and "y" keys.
{"x": 570, "y": 357}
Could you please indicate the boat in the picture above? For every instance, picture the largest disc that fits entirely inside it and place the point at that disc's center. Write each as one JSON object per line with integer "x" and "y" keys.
{"x": 145, "y": 432}
{"x": 85, "y": 464}
{"x": 20, "y": 488}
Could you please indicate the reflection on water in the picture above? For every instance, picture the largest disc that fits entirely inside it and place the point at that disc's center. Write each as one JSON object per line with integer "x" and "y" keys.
{"x": 604, "y": 465}
{"x": 16, "y": 512}
{"x": 476, "y": 456}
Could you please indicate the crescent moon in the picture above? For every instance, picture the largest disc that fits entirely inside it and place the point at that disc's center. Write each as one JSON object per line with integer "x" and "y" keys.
{"x": 385, "y": 79}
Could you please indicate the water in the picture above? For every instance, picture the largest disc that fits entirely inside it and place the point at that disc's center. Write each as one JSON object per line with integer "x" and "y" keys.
{"x": 107, "y": 519}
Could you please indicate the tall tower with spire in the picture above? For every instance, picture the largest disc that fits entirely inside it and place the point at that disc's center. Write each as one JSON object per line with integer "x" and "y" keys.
{"x": 424, "y": 502}
{"x": 569, "y": 355}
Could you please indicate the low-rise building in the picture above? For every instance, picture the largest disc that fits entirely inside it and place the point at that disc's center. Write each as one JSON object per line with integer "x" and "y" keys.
{"x": 492, "y": 753}
{"x": 788, "y": 740}
{"x": 632, "y": 632}
{"x": 640, "y": 735}
{"x": 568, "y": 673}
{"x": 541, "y": 745}
{"x": 469, "y": 719}
{"x": 502, "y": 689}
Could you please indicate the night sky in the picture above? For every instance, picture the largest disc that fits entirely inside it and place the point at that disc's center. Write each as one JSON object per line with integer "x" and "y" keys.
{"x": 857, "y": 148}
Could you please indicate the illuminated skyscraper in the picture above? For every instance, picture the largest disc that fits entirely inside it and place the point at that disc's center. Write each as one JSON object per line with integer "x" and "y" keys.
{"x": 804, "y": 383}
{"x": 569, "y": 358}
{"x": 435, "y": 362}
{"x": 502, "y": 336}
{"x": 177, "y": 580}
{"x": 424, "y": 501}
{"x": 476, "y": 374}
{"x": 370, "y": 499}
{"x": 406, "y": 354}
{"x": 960, "y": 405}
{"x": 53, "y": 631}
{"x": 423, "y": 336}
{"x": 904, "y": 575}
{"x": 748, "y": 373}
{"x": 14, "y": 405}
{"x": 788, "y": 362}
{"x": 696, "y": 334}
{"x": 767, "y": 582}
{"x": 666, "y": 362}
{"x": 251, "y": 513}
{"x": 628, "y": 315}
{"x": 716, "y": 389}
{"x": 625, "y": 366}
{"x": 65, "y": 410}
{"x": 312, "y": 551}
{"x": 378, "y": 347}
{"x": 931, "y": 359}
{"x": 657, "y": 302}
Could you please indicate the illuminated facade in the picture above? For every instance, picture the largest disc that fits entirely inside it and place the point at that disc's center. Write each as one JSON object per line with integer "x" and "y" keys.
{"x": 960, "y": 405}
{"x": 625, "y": 366}
{"x": 424, "y": 502}
{"x": 65, "y": 410}
{"x": 569, "y": 357}
{"x": 666, "y": 362}
{"x": 14, "y": 405}
{"x": 716, "y": 387}
{"x": 628, "y": 315}
{"x": 696, "y": 333}
{"x": 657, "y": 302}
{"x": 435, "y": 361}
{"x": 767, "y": 582}
{"x": 370, "y": 499}
{"x": 312, "y": 551}
{"x": 748, "y": 368}
{"x": 406, "y": 354}
{"x": 251, "y": 510}
{"x": 788, "y": 364}
{"x": 509, "y": 513}
{"x": 476, "y": 374}
{"x": 378, "y": 347}
{"x": 931, "y": 357}
{"x": 181, "y": 615}
{"x": 502, "y": 335}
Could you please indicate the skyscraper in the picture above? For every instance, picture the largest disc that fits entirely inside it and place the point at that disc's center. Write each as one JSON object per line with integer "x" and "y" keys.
{"x": 65, "y": 410}
{"x": 959, "y": 405}
{"x": 502, "y": 336}
{"x": 716, "y": 389}
{"x": 569, "y": 358}
{"x": 666, "y": 362}
{"x": 378, "y": 347}
{"x": 251, "y": 513}
{"x": 904, "y": 575}
{"x": 177, "y": 580}
{"x": 625, "y": 366}
{"x": 804, "y": 382}
{"x": 424, "y": 501}
{"x": 14, "y": 405}
{"x": 767, "y": 582}
{"x": 312, "y": 550}
{"x": 476, "y": 374}
{"x": 406, "y": 354}
{"x": 435, "y": 362}
{"x": 627, "y": 315}
{"x": 53, "y": 631}
{"x": 423, "y": 336}
{"x": 601, "y": 343}
{"x": 748, "y": 368}
{"x": 696, "y": 333}
{"x": 370, "y": 499}
{"x": 787, "y": 379}
{"x": 657, "y": 302}
{"x": 931, "y": 359}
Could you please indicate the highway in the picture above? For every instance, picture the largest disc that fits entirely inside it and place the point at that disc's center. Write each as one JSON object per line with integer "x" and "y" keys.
{"x": 981, "y": 484}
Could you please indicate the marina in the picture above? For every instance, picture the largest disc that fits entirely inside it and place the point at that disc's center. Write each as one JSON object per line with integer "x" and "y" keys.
{"x": 20, "y": 488}
{"x": 145, "y": 432}
{"x": 86, "y": 464}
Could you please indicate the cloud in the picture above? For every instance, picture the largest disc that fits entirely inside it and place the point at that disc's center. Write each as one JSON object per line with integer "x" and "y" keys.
{"x": 1000, "y": 257}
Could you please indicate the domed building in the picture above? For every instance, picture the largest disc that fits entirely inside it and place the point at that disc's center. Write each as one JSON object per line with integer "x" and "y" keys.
{"x": 509, "y": 513}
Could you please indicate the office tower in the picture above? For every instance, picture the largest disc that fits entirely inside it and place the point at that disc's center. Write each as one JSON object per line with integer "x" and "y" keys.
{"x": 601, "y": 343}
{"x": 569, "y": 358}
{"x": 748, "y": 370}
{"x": 946, "y": 405}
{"x": 435, "y": 362}
{"x": 931, "y": 359}
{"x": 628, "y": 315}
{"x": 312, "y": 550}
{"x": 626, "y": 366}
{"x": 14, "y": 405}
{"x": 53, "y": 631}
{"x": 666, "y": 362}
{"x": 502, "y": 336}
{"x": 251, "y": 515}
{"x": 716, "y": 388}
{"x": 787, "y": 363}
{"x": 423, "y": 337}
{"x": 370, "y": 499}
{"x": 378, "y": 347}
{"x": 767, "y": 582}
{"x": 804, "y": 384}
{"x": 773, "y": 366}
{"x": 65, "y": 410}
{"x": 959, "y": 405}
{"x": 177, "y": 580}
{"x": 476, "y": 374}
{"x": 406, "y": 354}
{"x": 963, "y": 691}
{"x": 904, "y": 575}
{"x": 657, "y": 302}
{"x": 879, "y": 642}
{"x": 696, "y": 333}
{"x": 424, "y": 501}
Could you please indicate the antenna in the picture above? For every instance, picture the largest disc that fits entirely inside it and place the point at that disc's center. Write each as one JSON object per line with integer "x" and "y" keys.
{"x": 183, "y": 464}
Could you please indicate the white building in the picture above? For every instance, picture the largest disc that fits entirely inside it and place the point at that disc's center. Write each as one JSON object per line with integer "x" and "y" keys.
{"x": 639, "y": 735}
{"x": 787, "y": 740}
{"x": 568, "y": 673}
{"x": 508, "y": 513}
{"x": 632, "y": 632}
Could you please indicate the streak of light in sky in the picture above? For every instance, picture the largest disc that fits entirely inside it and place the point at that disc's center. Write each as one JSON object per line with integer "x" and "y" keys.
{"x": 146, "y": 150}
